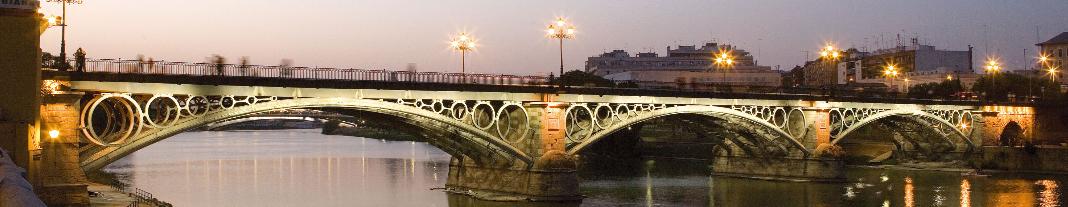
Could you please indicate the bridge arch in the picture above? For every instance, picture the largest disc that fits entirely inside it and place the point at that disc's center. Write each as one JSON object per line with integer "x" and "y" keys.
{"x": 477, "y": 144}
{"x": 750, "y": 122}
{"x": 945, "y": 128}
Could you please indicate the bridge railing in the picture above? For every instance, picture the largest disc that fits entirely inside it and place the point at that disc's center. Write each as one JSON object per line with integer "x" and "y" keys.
{"x": 119, "y": 66}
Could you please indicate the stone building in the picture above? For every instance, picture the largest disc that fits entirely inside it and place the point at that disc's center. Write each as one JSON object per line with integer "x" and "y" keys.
{"x": 1056, "y": 49}
{"x": 684, "y": 65}
{"x": 913, "y": 62}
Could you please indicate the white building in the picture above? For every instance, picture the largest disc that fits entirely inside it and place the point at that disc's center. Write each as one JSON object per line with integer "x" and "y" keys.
{"x": 683, "y": 67}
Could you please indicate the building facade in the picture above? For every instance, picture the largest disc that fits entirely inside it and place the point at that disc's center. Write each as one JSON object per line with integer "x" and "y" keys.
{"x": 684, "y": 65}
{"x": 914, "y": 62}
{"x": 1056, "y": 49}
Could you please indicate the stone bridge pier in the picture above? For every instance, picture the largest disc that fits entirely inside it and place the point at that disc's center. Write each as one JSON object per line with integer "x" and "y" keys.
{"x": 551, "y": 177}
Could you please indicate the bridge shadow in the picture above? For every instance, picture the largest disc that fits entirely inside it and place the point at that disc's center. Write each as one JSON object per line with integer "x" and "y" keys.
{"x": 630, "y": 151}
{"x": 896, "y": 140}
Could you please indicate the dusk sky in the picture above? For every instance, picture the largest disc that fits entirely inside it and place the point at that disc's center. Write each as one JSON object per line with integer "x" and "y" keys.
{"x": 391, "y": 34}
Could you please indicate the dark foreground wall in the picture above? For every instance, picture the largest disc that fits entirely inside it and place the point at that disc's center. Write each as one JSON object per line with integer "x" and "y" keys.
{"x": 1020, "y": 159}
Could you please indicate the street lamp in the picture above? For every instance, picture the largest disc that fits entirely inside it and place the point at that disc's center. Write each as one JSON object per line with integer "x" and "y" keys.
{"x": 53, "y": 134}
{"x": 992, "y": 67}
{"x": 463, "y": 42}
{"x": 1052, "y": 71}
{"x": 561, "y": 30}
{"x": 828, "y": 52}
{"x": 724, "y": 60}
{"x": 63, "y": 36}
{"x": 1044, "y": 60}
{"x": 891, "y": 71}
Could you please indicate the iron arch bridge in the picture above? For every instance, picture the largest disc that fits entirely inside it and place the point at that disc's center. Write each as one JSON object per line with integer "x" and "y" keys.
{"x": 511, "y": 135}
{"x": 119, "y": 124}
{"x": 922, "y": 129}
{"x": 500, "y": 131}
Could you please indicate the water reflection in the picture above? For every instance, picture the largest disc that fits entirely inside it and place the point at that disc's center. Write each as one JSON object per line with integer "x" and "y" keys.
{"x": 304, "y": 168}
{"x": 1048, "y": 196}
{"x": 965, "y": 193}
{"x": 866, "y": 187}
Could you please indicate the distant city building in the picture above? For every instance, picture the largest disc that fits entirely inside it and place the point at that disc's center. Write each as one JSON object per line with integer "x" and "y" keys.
{"x": 794, "y": 78}
{"x": 967, "y": 80}
{"x": 684, "y": 65}
{"x": 914, "y": 62}
{"x": 1057, "y": 50}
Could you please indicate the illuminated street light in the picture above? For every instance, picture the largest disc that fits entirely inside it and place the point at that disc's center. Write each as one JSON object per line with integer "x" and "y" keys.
{"x": 992, "y": 66}
{"x": 1052, "y": 71}
{"x": 1043, "y": 60}
{"x": 828, "y": 52}
{"x": 561, "y": 30}
{"x": 53, "y": 134}
{"x": 463, "y": 42}
{"x": 724, "y": 60}
{"x": 891, "y": 72}
{"x": 63, "y": 24}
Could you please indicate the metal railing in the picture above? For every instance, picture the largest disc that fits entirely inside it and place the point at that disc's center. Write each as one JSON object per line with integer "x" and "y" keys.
{"x": 140, "y": 196}
{"x": 119, "y": 66}
{"x": 291, "y": 72}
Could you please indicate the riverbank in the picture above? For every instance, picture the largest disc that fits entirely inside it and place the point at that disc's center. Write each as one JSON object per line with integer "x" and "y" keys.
{"x": 104, "y": 195}
{"x": 106, "y": 190}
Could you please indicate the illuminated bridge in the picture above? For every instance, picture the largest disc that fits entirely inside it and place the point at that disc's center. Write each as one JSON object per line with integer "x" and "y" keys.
{"x": 511, "y": 136}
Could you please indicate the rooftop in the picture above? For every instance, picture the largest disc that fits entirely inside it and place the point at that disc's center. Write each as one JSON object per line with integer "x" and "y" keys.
{"x": 1059, "y": 39}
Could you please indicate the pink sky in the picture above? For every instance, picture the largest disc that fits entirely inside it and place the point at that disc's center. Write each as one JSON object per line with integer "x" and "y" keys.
{"x": 391, "y": 34}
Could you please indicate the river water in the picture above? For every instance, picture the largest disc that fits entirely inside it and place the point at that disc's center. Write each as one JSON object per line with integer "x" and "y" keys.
{"x": 305, "y": 168}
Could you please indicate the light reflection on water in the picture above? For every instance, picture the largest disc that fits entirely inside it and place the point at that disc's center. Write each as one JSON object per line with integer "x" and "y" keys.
{"x": 305, "y": 168}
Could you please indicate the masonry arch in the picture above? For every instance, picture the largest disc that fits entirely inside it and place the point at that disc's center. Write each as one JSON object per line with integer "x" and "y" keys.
{"x": 450, "y": 134}
{"x": 1011, "y": 134}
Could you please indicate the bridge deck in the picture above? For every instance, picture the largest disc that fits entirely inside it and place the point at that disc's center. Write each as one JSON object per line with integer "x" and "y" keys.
{"x": 438, "y": 86}
{"x": 108, "y": 70}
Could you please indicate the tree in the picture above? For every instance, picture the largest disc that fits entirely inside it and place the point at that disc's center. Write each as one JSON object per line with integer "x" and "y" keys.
{"x": 1004, "y": 85}
{"x": 579, "y": 78}
{"x": 948, "y": 89}
{"x": 47, "y": 60}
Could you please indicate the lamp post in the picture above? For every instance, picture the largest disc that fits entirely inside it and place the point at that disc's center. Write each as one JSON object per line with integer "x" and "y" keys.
{"x": 463, "y": 42}
{"x": 891, "y": 72}
{"x": 724, "y": 60}
{"x": 992, "y": 67}
{"x": 907, "y": 85}
{"x": 828, "y": 52}
{"x": 1052, "y": 71}
{"x": 63, "y": 34}
{"x": 561, "y": 30}
{"x": 1043, "y": 61}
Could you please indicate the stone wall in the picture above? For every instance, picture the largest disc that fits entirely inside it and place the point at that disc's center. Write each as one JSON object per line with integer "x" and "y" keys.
{"x": 995, "y": 118}
{"x": 516, "y": 183}
{"x": 64, "y": 183}
{"x": 1053, "y": 160}
{"x": 795, "y": 169}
